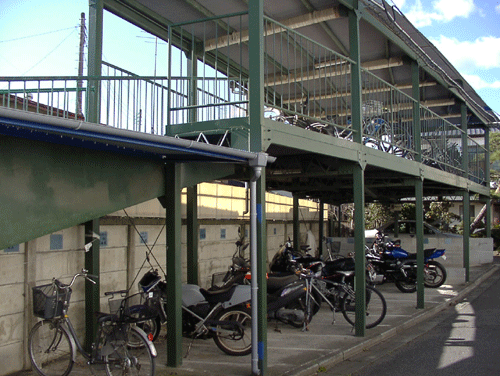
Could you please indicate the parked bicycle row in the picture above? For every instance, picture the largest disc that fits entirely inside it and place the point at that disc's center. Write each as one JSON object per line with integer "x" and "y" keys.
{"x": 381, "y": 134}
{"x": 297, "y": 286}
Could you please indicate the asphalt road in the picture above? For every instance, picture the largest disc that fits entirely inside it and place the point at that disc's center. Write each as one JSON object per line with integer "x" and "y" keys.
{"x": 461, "y": 340}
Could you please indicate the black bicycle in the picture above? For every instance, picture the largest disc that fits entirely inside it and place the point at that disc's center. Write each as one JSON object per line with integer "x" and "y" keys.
{"x": 121, "y": 347}
{"x": 340, "y": 296}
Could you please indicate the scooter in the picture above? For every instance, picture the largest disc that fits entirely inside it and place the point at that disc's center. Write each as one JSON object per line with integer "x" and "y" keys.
{"x": 223, "y": 315}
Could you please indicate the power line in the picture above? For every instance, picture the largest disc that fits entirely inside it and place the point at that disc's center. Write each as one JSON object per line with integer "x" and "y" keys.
{"x": 55, "y": 48}
{"x": 37, "y": 35}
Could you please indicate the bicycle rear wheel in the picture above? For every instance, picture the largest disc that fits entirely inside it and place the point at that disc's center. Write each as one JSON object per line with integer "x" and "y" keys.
{"x": 50, "y": 350}
{"x": 375, "y": 306}
{"x": 130, "y": 353}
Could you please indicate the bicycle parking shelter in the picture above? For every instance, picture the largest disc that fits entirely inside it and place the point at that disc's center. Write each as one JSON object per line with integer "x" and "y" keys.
{"x": 345, "y": 95}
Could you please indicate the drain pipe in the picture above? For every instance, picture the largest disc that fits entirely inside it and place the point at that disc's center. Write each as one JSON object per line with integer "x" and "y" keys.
{"x": 257, "y": 164}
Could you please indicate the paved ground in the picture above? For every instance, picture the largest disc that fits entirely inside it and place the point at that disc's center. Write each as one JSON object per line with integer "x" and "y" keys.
{"x": 461, "y": 340}
{"x": 294, "y": 352}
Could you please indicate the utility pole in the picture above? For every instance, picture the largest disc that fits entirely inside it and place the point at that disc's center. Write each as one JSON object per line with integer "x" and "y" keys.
{"x": 79, "y": 83}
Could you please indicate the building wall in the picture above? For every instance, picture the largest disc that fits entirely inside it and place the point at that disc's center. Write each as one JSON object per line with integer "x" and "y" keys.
{"x": 221, "y": 216}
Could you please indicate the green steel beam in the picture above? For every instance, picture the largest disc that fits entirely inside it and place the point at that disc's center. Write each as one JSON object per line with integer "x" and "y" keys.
{"x": 192, "y": 235}
{"x": 327, "y": 29}
{"x": 213, "y": 126}
{"x": 92, "y": 292}
{"x": 140, "y": 16}
{"x": 63, "y": 186}
{"x": 172, "y": 201}
{"x": 195, "y": 173}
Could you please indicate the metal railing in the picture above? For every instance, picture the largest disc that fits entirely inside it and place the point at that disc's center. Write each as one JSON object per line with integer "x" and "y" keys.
{"x": 306, "y": 85}
{"x": 213, "y": 85}
{"x": 305, "y": 82}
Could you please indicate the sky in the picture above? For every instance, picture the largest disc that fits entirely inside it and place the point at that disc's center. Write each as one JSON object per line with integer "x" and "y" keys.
{"x": 467, "y": 32}
{"x": 41, "y": 38}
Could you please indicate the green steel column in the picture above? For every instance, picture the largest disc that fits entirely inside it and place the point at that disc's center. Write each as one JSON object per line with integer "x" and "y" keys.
{"x": 466, "y": 200}
{"x": 192, "y": 234}
{"x": 358, "y": 173}
{"x": 487, "y": 219}
{"x": 465, "y": 144}
{"x": 192, "y": 62}
{"x": 321, "y": 227}
{"x": 296, "y": 224}
{"x": 355, "y": 55}
{"x": 417, "y": 129}
{"x": 172, "y": 201}
{"x": 93, "y": 116}
{"x": 95, "y": 60}
{"x": 359, "y": 249}
{"x": 92, "y": 302}
{"x": 466, "y": 235}
{"x": 419, "y": 214}
{"x": 419, "y": 186}
{"x": 256, "y": 116}
{"x": 261, "y": 272}
{"x": 487, "y": 179}
{"x": 192, "y": 192}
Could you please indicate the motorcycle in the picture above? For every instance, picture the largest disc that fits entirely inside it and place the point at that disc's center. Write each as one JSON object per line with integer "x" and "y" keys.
{"x": 287, "y": 260}
{"x": 393, "y": 263}
{"x": 223, "y": 315}
{"x": 238, "y": 271}
{"x": 286, "y": 292}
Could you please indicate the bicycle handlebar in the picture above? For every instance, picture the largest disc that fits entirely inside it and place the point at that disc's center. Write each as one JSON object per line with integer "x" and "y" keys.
{"x": 83, "y": 273}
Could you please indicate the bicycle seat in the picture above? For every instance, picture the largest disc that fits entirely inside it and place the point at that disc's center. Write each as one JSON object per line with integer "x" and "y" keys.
{"x": 105, "y": 317}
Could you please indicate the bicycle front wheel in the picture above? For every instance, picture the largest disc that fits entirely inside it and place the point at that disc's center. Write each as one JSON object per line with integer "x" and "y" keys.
{"x": 131, "y": 354}
{"x": 50, "y": 350}
{"x": 375, "y": 307}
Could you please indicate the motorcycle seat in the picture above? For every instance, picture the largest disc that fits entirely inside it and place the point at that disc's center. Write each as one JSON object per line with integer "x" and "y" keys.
{"x": 221, "y": 295}
{"x": 427, "y": 253}
{"x": 274, "y": 283}
{"x": 346, "y": 273}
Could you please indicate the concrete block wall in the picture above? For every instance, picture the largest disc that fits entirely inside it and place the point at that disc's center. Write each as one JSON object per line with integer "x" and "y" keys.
{"x": 481, "y": 252}
{"x": 12, "y": 313}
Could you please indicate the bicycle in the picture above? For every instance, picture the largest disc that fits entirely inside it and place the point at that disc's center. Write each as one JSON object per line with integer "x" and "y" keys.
{"x": 121, "y": 347}
{"x": 340, "y": 296}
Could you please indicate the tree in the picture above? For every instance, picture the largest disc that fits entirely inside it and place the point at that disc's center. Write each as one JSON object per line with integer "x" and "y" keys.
{"x": 377, "y": 214}
{"x": 494, "y": 175}
{"x": 439, "y": 213}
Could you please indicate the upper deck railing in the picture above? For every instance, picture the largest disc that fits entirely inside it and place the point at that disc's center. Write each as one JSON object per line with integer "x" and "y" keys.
{"x": 306, "y": 85}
